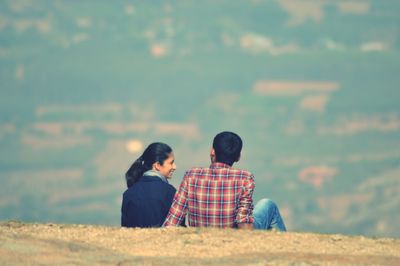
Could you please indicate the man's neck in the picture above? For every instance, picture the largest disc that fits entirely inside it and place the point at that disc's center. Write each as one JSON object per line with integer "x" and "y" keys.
{"x": 224, "y": 163}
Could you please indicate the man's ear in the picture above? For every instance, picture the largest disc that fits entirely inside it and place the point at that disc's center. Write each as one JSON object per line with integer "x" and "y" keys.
{"x": 212, "y": 155}
{"x": 238, "y": 159}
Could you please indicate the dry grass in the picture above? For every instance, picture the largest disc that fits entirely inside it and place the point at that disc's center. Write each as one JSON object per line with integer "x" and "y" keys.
{"x": 84, "y": 244}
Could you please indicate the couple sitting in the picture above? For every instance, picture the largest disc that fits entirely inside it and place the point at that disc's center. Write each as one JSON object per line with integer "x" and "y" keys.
{"x": 218, "y": 196}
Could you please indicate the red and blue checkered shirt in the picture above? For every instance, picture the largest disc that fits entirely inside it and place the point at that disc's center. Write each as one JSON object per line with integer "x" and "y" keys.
{"x": 218, "y": 196}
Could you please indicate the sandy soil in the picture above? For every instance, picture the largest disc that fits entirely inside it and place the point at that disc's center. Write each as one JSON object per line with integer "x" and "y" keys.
{"x": 58, "y": 244}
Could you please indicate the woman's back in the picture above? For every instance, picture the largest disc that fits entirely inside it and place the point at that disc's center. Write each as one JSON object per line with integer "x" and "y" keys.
{"x": 146, "y": 203}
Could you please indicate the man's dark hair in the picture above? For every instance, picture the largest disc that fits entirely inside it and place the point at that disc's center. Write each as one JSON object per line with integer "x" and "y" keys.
{"x": 227, "y": 146}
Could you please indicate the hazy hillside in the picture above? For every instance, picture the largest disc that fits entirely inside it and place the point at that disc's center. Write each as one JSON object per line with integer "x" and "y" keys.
{"x": 311, "y": 86}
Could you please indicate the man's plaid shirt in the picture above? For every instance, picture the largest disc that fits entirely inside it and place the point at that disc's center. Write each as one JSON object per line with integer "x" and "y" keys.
{"x": 218, "y": 196}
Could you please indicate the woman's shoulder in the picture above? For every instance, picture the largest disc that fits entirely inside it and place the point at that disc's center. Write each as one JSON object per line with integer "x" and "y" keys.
{"x": 166, "y": 187}
{"x": 155, "y": 181}
{"x": 152, "y": 181}
{"x": 171, "y": 187}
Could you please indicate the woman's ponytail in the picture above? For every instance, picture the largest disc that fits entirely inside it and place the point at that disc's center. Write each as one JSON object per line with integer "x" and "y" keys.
{"x": 135, "y": 172}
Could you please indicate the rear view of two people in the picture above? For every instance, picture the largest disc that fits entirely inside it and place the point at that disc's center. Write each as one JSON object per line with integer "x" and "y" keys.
{"x": 216, "y": 196}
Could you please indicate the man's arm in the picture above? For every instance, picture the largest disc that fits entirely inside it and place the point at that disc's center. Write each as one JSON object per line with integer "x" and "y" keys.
{"x": 244, "y": 217}
{"x": 177, "y": 212}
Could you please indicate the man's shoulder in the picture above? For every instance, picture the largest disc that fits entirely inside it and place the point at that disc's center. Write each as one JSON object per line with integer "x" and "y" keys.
{"x": 197, "y": 170}
{"x": 200, "y": 171}
{"x": 242, "y": 172}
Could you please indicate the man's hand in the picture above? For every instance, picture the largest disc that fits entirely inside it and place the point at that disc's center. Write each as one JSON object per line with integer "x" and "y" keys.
{"x": 245, "y": 226}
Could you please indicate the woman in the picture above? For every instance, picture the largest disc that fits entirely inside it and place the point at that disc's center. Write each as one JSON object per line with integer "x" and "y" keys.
{"x": 148, "y": 198}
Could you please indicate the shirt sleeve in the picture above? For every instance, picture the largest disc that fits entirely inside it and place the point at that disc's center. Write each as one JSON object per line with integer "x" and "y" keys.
{"x": 178, "y": 209}
{"x": 245, "y": 207}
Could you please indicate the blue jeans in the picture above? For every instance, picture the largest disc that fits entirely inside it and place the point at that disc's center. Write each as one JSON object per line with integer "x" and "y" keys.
{"x": 266, "y": 216}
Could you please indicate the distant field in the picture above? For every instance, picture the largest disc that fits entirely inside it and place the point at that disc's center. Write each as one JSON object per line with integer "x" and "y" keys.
{"x": 311, "y": 86}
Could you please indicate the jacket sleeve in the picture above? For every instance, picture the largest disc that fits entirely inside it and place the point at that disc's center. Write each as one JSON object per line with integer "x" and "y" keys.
{"x": 178, "y": 209}
{"x": 245, "y": 207}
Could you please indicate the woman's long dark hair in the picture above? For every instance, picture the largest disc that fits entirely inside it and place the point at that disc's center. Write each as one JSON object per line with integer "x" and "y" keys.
{"x": 155, "y": 152}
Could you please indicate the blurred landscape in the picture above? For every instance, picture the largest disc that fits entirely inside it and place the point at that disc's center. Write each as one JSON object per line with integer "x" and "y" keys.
{"x": 310, "y": 85}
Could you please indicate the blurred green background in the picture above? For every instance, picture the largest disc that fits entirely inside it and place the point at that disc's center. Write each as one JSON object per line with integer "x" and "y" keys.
{"x": 311, "y": 86}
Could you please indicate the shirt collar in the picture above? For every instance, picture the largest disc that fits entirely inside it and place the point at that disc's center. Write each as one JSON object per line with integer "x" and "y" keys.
{"x": 156, "y": 173}
{"x": 220, "y": 165}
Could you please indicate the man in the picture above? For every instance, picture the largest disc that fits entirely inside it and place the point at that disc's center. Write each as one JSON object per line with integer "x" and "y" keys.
{"x": 222, "y": 196}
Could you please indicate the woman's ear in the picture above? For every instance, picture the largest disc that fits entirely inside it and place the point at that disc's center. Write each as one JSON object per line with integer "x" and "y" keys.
{"x": 156, "y": 166}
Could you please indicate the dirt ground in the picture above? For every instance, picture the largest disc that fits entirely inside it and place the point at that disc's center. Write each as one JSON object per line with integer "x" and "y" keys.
{"x": 59, "y": 244}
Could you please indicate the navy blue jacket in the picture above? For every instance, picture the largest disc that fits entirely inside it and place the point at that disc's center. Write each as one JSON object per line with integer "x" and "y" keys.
{"x": 146, "y": 203}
